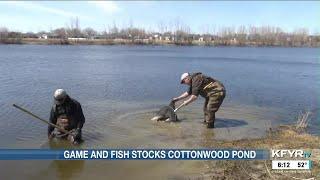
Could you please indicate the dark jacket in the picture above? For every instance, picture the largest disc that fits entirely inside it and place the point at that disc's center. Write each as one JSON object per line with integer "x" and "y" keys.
{"x": 72, "y": 110}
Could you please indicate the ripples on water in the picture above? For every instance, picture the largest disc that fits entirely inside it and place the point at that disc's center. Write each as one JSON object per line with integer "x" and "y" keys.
{"x": 103, "y": 78}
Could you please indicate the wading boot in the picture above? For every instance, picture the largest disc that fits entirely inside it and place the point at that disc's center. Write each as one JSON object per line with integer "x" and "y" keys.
{"x": 210, "y": 125}
{"x": 211, "y": 119}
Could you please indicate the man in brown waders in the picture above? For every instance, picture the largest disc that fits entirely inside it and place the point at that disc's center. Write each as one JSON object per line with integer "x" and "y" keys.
{"x": 212, "y": 90}
{"x": 66, "y": 113}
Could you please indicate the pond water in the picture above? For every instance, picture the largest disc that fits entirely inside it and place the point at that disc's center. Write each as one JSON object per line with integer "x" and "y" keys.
{"x": 121, "y": 87}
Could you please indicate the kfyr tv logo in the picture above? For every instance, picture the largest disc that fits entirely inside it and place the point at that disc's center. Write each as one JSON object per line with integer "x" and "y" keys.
{"x": 290, "y": 153}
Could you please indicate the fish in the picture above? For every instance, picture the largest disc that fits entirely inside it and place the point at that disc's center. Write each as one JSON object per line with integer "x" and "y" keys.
{"x": 166, "y": 113}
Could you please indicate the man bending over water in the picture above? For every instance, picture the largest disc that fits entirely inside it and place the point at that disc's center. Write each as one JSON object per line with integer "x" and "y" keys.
{"x": 211, "y": 89}
{"x": 66, "y": 113}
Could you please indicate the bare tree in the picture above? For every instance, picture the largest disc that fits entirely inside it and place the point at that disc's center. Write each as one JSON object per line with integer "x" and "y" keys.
{"x": 300, "y": 36}
{"x": 89, "y": 33}
{"x": 60, "y": 33}
{"x": 74, "y": 28}
{"x": 242, "y": 35}
{"x": 181, "y": 32}
{"x": 114, "y": 31}
{"x": 162, "y": 27}
{"x": 4, "y": 32}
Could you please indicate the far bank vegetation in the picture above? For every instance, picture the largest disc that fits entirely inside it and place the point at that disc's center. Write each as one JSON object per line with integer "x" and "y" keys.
{"x": 175, "y": 32}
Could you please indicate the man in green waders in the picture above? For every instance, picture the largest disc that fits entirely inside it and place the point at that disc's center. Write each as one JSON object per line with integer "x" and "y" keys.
{"x": 211, "y": 89}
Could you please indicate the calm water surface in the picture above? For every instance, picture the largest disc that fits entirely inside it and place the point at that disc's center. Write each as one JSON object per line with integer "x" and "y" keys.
{"x": 120, "y": 88}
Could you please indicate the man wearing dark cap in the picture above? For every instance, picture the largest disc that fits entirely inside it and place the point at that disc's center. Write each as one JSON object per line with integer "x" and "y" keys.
{"x": 211, "y": 89}
{"x": 67, "y": 114}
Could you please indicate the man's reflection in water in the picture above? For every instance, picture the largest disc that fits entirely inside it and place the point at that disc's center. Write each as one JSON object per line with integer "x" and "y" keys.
{"x": 65, "y": 169}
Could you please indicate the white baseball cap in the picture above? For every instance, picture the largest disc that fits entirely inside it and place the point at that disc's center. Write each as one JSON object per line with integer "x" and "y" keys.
{"x": 59, "y": 96}
{"x": 183, "y": 76}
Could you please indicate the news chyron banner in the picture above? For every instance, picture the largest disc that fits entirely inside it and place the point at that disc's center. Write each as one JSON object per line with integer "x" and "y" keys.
{"x": 280, "y": 159}
{"x": 134, "y": 154}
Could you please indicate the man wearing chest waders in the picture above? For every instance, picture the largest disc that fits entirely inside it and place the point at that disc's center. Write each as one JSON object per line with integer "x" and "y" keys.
{"x": 67, "y": 114}
{"x": 212, "y": 90}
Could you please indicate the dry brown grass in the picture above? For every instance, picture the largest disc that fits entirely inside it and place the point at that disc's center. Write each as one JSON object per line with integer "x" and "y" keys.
{"x": 302, "y": 121}
{"x": 282, "y": 137}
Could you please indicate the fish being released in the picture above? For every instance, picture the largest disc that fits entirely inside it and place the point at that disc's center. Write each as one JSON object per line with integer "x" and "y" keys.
{"x": 166, "y": 113}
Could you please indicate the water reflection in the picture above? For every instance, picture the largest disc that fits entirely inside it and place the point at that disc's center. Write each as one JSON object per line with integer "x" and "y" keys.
{"x": 226, "y": 123}
{"x": 67, "y": 169}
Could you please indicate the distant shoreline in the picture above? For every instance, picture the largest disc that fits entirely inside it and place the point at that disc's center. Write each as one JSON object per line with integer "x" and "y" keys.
{"x": 34, "y": 41}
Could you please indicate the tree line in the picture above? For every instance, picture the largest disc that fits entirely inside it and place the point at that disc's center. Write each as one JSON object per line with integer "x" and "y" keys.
{"x": 175, "y": 33}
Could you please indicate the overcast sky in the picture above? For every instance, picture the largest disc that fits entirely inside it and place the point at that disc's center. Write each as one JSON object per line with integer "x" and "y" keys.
{"x": 200, "y": 16}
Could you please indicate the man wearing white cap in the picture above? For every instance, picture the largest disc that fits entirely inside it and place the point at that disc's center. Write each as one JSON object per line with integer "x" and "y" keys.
{"x": 211, "y": 89}
{"x": 66, "y": 113}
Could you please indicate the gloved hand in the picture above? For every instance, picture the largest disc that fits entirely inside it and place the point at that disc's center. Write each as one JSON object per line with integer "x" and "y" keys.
{"x": 77, "y": 134}
{"x": 51, "y": 135}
